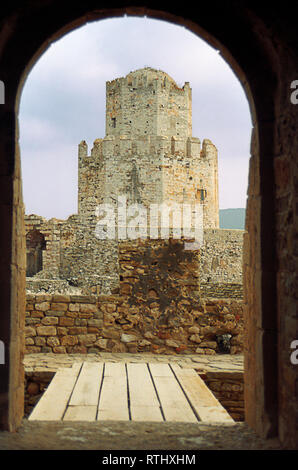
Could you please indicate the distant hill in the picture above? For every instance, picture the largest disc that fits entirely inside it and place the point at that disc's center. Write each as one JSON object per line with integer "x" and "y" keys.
{"x": 232, "y": 218}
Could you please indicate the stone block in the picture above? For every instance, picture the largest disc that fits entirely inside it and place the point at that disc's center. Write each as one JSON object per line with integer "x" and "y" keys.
{"x": 171, "y": 343}
{"x": 59, "y": 350}
{"x": 74, "y": 307}
{"x": 194, "y": 329}
{"x": 61, "y": 298}
{"x": 50, "y": 321}
{"x": 66, "y": 321}
{"x": 87, "y": 340}
{"x": 77, "y": 330}
{"x": 126, "y": 338}
{"x": 88, "y": 308}
{"x": 195, "y": 338}
{"x": 83, "y": 299}
{"x": 53, "y": 341}
{"x": 69, "y": 340}
{"x": 59, "y": 306}
{"x": 101, "y": 343}
{"x": 95, "y": 322}
{"x": 46, "y": 331}
{"x": 43, "y": 306}
{"x": 29, "y": 341}
{"x": 40, "y": 340}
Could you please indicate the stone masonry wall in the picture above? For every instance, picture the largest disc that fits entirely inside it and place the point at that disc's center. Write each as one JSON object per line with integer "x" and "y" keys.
{"x": 221, "y": 291}
{"x": 75, "y": 256}
{"x": 221, "y": 257}
{"x": 158, "y": 308}
{"x": 81, "y": 324}
{"x": 148, "y": 101}
{"x": 228, "y": 388}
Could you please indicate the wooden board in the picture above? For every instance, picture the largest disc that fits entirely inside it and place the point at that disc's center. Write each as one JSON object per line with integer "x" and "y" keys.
{"x": 160, "y": 369}
{"x": 205, "y": 404}
{"x": 86, "y": 390}
{"x": 134, "y": 391}
{"x": 173, "y": 401}
{"x": 144, "y": 403}
{"x": 80, "y": 413}
{"x": 113, "y": 401}
{"x": 52, "y": 404}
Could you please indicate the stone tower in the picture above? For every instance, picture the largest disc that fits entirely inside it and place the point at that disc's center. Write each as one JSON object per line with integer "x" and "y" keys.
{"x": 147, "y": 158}
{"x": 148, "y": 153}
{"x": 148, "y": 102}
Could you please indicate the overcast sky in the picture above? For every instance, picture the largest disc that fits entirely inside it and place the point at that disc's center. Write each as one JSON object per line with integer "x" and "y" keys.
{"x": 63, "y": 102}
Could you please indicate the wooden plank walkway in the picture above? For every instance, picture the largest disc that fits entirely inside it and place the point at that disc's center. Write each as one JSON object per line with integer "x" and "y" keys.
{"x": 115, "y": 391}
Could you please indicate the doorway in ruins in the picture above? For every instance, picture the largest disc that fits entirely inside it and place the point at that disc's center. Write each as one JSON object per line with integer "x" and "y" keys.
{"x": 73, "y": 110}
{"x": 35, "y": 244}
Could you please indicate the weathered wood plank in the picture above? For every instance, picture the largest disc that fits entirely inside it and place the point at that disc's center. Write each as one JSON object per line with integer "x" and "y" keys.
{"x": 173, "y": 401}
{"x": 146, "y": 413}
{"x": 144, "y": 404}
{"x": 160, "y": 369}
{"x": 52, "y": 404}
{"x": 113, "y": 401}
{"x": 206, "y": 405}
{"x": 86, "y": 390}
{"x": 114, "y": 369}
{"x": 80, "y": 413}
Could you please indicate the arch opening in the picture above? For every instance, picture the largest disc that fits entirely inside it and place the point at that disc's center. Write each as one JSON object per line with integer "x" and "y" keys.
{"x": 202, "y": 195}
{"x": 269, "y": 376}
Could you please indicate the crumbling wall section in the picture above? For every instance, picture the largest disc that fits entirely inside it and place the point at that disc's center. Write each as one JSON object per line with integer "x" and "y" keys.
{"x": 221, "y": 257}
{"x": 158, "y": 309}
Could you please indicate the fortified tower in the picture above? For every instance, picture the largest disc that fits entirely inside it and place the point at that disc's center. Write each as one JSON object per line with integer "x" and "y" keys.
{"x": 148, "y": 102}
{"x": 148, "y": 158}
{"x": 148, "y": 153}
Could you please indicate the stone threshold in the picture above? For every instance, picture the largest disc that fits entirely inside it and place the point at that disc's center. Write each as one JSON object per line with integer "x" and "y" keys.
{"x": 218, "y": 363}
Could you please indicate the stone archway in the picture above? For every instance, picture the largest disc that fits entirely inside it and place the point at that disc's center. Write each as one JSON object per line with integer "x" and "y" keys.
{"x": 261, "y": 47}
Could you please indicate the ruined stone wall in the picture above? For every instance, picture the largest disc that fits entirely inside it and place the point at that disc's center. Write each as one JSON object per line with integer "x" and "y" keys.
{"x": 86, "y": 262}
{"x": 219, "y": 291}
{"x": 158, "y": 309}
{"x": 57, "y": 323}
{"x": 50, "y": 229}
{"x": 221, "y": 257}
{"x": 74, "y": 256}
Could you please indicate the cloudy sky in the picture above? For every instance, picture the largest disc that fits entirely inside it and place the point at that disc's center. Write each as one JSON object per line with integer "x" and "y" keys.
{"x": 63, "y": 102}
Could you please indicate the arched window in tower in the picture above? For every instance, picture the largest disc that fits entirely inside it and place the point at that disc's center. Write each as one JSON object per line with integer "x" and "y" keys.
{"x": 35, "y": 244}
